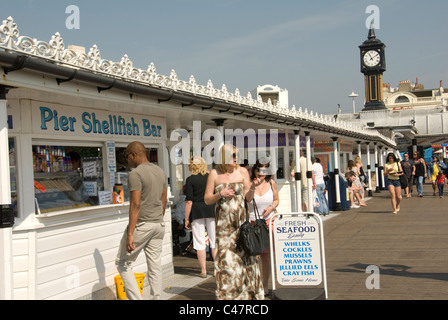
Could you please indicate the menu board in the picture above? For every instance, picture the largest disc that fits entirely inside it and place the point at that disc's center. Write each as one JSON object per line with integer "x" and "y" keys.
{"x": 297, "y": 251}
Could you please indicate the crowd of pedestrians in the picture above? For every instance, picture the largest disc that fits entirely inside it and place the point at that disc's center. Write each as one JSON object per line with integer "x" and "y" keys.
{"x": 216, "y": 203}
{"x": 400, "y": 178}
{"x": 417, "y": 170}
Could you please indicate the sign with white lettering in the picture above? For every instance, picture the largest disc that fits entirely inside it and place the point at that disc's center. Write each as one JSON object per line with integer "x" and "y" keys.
{"x": 89, "y": 169}
{"x": 110, "y": 156}
{"x": 91, "y": 188}
{"x": 297, "y": 251}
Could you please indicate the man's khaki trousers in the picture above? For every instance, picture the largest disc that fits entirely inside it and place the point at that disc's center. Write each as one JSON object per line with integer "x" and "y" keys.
{"x": 149, "y": 238}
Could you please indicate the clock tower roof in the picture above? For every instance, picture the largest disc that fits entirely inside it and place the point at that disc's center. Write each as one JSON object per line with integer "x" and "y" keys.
{"x": 372, "y": 40}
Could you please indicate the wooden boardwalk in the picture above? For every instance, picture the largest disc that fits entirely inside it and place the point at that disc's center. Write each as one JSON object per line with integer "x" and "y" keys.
{"x": 410, "y": 251}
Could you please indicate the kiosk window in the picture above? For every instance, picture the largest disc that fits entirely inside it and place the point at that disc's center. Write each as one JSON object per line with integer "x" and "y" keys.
{"x": 67, "y": 177}
{"x": 122, "y": 174}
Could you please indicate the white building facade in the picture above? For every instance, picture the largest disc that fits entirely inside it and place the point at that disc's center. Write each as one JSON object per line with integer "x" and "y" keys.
{"x": 61, "y": 243}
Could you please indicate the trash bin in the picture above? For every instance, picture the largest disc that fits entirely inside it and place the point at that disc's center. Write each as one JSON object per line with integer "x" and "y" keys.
{"x": 119, "y": 285}
{"x": 345, "y": 203}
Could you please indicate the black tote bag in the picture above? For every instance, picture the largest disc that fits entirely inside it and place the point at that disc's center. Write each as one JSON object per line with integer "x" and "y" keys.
{"x": 253, "y": 239}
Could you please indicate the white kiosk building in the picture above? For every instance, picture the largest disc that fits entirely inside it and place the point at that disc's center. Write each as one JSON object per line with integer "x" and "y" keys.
{"x": 59, "y": 229}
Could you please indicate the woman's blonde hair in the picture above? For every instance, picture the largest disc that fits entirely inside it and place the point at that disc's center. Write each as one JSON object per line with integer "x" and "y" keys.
{"x": 226, "y": 152}
{"x": 358, "y": 159}
{"x": 198, "y": 166}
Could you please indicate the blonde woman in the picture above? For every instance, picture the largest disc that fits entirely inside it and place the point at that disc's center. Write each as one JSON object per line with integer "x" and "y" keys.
{"x": 238, "y": 275}
{"x": 361, "y": 173}
{"x": 199, "y": 216}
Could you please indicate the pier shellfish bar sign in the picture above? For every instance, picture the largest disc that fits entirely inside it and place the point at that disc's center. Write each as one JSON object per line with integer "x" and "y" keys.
{"x": 297, "y": 251}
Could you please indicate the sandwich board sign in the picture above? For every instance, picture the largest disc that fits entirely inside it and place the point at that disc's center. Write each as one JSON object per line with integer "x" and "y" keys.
{"x": 299, "y": 255}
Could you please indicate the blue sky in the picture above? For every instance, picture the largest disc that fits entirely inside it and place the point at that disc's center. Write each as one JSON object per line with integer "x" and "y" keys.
{"x": 309, "y": 48}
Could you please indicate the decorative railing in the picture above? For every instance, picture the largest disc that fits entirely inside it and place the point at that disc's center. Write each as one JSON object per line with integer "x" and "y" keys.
{"x": 92, "y": 61}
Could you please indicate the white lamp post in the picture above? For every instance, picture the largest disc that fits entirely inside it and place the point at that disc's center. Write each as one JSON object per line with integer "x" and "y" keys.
{"x": 353, "y": 96}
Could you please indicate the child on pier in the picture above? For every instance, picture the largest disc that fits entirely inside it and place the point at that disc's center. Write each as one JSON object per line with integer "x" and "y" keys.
{"x": 440, "y": 183}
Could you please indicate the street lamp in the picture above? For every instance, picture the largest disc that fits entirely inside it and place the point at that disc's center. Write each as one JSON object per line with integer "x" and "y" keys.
{"x": 353, "y": 96}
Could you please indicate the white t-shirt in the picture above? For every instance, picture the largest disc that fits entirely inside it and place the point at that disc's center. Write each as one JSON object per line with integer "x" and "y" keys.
{"x": 318, "y": 173}
{"x": 262, "y": 203}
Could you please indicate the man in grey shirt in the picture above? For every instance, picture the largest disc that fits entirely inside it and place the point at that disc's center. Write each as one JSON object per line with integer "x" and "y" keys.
{"x": 148, "y": 195}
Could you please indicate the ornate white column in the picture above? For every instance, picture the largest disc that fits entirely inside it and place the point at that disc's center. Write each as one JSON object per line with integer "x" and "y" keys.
{"x": 359, "y": 149}
{"x": 309, "y": 174}
{"x": 297, "y": 173}
{"x": 381, "y": 168}
{"x": 368, "y": 169}
{"x": 338, "y": 206}
{"x": 377, "y": 171}
{"x": 6, "y": 213}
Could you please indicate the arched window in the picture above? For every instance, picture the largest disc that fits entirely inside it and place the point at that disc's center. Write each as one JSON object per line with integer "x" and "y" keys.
{"x": 402, "y": 99}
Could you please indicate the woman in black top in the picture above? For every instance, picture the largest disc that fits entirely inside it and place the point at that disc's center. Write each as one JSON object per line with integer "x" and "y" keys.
{"x": 199, "y": 216}
{"x": 419, "y": 172}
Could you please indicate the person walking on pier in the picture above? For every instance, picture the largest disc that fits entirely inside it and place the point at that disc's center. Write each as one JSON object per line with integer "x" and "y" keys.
{"x": 433, "y": 171}
{"x": 148, "y": 196}
{"x": 199, "y": 216}
{"x": 419, "y": 173}
{"x": 238, "y": 275}
{"x": 407, "y": 166}
{"x": 440, "y": 183}
{"x": 266, "y": 200}
{"x": 320, "y": 187}
{"x": 393, "y": 171}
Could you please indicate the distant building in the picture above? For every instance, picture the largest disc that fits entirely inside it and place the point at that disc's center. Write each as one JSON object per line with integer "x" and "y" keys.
{"x": 273, "y": 93}
{"x": 410, "y": 95}
{"x": 413, "y": 116}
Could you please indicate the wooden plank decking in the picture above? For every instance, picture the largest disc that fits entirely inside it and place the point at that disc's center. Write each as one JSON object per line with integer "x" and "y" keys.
{"x": 410, "y": 251}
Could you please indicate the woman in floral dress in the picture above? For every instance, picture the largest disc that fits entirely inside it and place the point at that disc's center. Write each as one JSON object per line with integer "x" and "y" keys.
{"x": 238, "y": 275}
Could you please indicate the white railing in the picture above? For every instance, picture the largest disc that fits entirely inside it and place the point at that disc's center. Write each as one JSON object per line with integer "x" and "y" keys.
{"x": 56, "y": 51}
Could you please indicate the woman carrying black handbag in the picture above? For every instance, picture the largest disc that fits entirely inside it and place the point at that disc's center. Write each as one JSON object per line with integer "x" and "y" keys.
{"x": 267, "y": 200}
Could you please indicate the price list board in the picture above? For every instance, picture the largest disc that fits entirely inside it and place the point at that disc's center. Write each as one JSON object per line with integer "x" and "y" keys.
{"x": 297, "y": 250}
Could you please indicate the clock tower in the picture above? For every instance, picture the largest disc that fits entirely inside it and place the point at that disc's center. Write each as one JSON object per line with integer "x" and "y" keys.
{"x": 373, "y": 64}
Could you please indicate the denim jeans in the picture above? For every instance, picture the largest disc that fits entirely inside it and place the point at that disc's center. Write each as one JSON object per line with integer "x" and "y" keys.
{"x": 419, "y": 184}
{"x": 440, "y": 187}
{"x": 323, "y": 204}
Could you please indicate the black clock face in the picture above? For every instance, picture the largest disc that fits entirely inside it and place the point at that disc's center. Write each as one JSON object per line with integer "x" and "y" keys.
{"x": 371, "y": 58}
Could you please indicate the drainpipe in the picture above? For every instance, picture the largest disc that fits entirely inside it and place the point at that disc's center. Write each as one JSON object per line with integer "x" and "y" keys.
{"x": 6, "y": 214}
